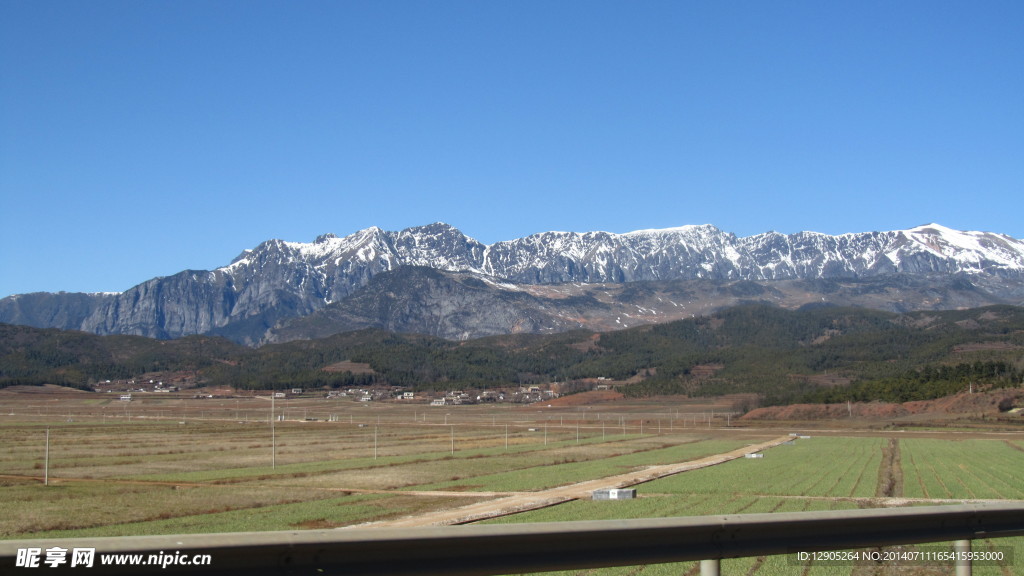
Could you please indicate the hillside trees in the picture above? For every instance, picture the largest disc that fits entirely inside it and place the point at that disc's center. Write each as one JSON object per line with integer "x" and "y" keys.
{"x": 927, "y": 383}
{"x": 778, "y": 354}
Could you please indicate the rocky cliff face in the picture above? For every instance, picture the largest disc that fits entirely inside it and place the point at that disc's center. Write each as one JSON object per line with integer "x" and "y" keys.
{"x": 278, "y": 281}
{"x": 466, "y": 305}
{"x": 452, "y": 305}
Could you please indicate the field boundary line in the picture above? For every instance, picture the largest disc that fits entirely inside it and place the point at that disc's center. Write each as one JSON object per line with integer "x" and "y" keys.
{"x": 523, "y": 502}
{"x": 396, "y": 491}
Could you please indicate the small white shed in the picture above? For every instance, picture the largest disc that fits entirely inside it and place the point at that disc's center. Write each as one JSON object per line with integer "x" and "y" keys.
{"x": 614, "y": 494}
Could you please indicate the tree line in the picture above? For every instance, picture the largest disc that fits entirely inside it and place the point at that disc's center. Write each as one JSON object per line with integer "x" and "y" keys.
{"x": 755, "y": 348}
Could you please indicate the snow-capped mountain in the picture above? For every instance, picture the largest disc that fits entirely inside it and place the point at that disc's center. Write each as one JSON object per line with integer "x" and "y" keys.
{"x": 280, "y": 280}
{"x": 688, "y": 252}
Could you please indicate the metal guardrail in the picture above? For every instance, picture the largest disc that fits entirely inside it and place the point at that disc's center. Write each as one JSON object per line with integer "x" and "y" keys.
{"x": 473, "y": 550}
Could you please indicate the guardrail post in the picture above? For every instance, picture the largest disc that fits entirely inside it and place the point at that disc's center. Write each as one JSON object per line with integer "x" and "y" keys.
{"x": 963, "y": 565}
{"x": 713, "y": 567}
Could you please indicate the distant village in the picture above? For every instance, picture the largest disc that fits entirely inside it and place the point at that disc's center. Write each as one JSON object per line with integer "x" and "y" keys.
{"x": 126, "y": 387}
{"x": 521, "y": 395}
{"x": 133, "y": 389}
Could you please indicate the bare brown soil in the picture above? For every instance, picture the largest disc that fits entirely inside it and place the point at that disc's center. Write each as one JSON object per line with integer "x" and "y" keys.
{"x": 980, "y": 405}
{"x": 826, "y": 380}
{"x": 890, "y": 473}
{"x": 44, "y": 389}
{"x": 705, "y": 370}
{"x": 349, "y": 366}
{"x": 586, "y": 398}
{"x": 983, "y": 346}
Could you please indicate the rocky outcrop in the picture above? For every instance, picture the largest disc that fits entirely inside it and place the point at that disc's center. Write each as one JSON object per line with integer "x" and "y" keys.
{"x": 265, "y": 287}
{"x": 455, "y": 306}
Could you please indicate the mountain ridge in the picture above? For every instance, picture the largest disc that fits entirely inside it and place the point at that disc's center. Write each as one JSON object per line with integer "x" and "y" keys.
{"x": 266, "y": 287}
{"x": 815, "y": 354}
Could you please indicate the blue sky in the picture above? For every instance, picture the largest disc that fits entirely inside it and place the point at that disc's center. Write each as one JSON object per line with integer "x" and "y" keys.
{"x": 141, "y": 138}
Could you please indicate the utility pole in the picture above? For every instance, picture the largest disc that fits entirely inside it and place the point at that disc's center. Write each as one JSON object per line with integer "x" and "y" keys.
{"x": 46, "y": 460}
{"x": 273, "y": 433}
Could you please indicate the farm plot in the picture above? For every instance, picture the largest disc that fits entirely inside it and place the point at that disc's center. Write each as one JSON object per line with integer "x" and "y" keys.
{"x": 820, "y": 466}
{"x": 754, "y": 485}
{"x": 141, "y": 477}
{"x": 962, "y": 469}
{"x": 801, "y": 475}
{"x": 822, "y": 473}
{"x": 689, "y": 505}
{"x": 957, "y": 470}
{"x": 119, "y": 476}
{"x": 100, "y": 509}
{"x": 310, "y": 513}
{"x": 200, "y": 451}
{"x": 538, "y": 477}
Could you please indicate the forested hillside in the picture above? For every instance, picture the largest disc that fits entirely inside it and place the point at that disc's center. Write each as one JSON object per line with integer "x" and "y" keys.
{"x": 816, "y": 354}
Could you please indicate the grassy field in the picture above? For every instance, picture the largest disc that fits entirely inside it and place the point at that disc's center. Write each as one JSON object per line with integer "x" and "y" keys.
{"x": 970, "y": 468}
{"x": 88, "y": 465}
{"x": 173, "y": 465}
{"x": 820, "y": 473}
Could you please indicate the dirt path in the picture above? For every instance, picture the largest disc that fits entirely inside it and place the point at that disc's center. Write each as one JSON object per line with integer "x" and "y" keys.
{"x": 177, "y": 485}
{"x": 533, "y": 500}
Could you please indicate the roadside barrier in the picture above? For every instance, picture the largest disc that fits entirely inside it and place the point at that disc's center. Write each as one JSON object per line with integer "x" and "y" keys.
{"x": 478, "y": 550}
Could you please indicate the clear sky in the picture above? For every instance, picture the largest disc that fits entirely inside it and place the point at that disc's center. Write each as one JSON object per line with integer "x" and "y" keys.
{"x": 142, "y": 138}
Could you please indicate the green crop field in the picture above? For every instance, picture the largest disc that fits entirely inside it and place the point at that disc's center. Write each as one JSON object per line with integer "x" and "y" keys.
{"x": 86, "y": 469}
{"x": 820, "y": 473}
{"x": 970, "y": 469}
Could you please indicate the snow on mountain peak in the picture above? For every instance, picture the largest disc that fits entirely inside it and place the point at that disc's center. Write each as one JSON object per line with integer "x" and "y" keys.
{"x": 969, "y": 248}
{"x": 686, "y": 229}
{"x": 684, "y": 251}
{"x": 279, "y": 279}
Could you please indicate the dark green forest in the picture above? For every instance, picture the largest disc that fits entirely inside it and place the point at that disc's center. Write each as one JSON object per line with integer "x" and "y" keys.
{"x": 777, "y": 353}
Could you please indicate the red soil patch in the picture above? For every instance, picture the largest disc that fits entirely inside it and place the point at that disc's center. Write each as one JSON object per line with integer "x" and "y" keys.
{"x": 982, "y": 403}
{"x": 44, "y": 389}
{"x": 826, "y": 380}
{"x": 705, "y": 370}
{"x": 348, "y": 366}
{"x": 983, "y": 346}
{"x": 586, "y": 398}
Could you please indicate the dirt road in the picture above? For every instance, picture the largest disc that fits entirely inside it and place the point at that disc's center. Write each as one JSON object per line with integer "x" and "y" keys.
{"x": 533, "y": 500}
